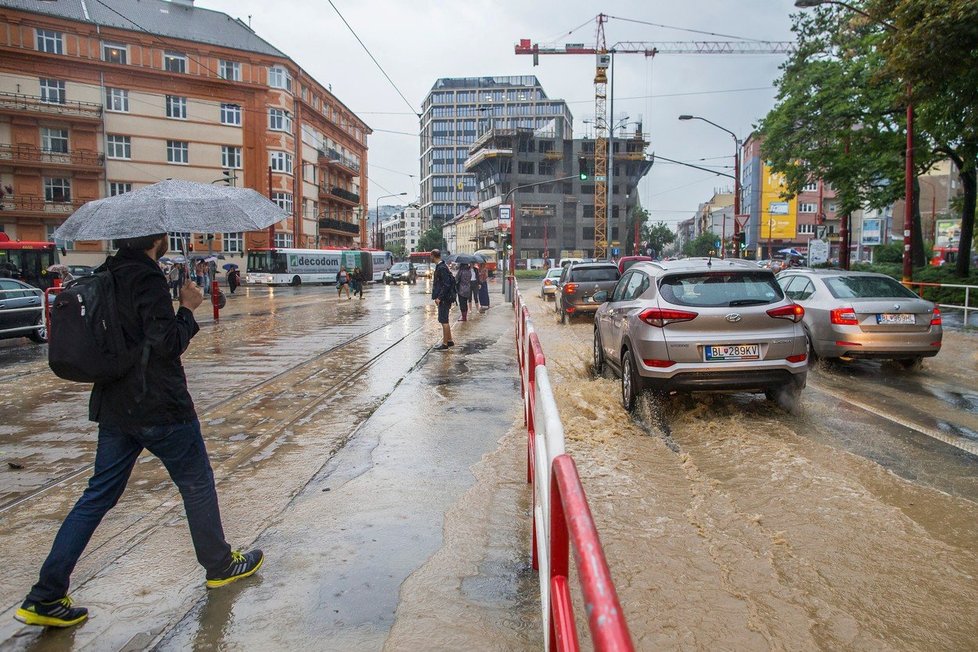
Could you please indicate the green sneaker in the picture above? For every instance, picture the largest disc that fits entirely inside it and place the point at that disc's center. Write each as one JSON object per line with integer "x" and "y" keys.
{"x": 242, "y": 565}
{"x": 58, "y": 613}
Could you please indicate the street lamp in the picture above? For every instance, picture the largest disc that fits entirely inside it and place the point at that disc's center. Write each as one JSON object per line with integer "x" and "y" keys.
{"x": 908, "y": 172}
{"x": 377, "y": 216}
{"x": 736, "y": 232}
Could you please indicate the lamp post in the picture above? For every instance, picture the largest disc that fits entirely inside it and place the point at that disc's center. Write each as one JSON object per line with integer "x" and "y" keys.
{"x": 723, "y": 228}
{"x": 908, "y": 171}
{"x": 377, "y": 216}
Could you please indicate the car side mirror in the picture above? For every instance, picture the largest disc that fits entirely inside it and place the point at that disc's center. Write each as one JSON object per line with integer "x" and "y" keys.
{"x": 600, "y": 296}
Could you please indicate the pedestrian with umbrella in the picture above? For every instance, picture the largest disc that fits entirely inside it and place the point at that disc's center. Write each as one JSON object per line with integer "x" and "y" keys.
{"x": 234, "y": 277}
{"x": 149, "y": 406}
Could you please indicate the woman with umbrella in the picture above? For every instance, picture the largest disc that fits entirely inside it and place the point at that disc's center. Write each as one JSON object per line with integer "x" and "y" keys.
{"x": 234, "y": 276}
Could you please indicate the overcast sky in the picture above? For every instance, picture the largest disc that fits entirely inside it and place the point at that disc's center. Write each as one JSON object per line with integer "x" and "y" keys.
{"x": 418, "y": 41}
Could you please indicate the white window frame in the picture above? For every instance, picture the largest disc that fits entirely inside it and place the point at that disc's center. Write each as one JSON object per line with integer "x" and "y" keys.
{"x": 175, "y": 148}
{"x": 49, "y": 38}
{"x": 112, "y": 144}
{"x": 175, "y": 58}
{"x": 119, "y": 188}
{"x": 57, "y": 86}
{"x": 116, "y": 100}
{"x": 231, "y": 114}
{"x": 284, "y": 201}
{"x": 121, "y": 47}
{"x": 50, "y": 135}
{"x": 283, "y": 240}
{"x": 806, "y": 228}
{"x": 51, "y": 184}
{"x": 279, "y": 77}
{"x": 810, "y": 187}
{"x": 233, "y": 242}
{"x": 231, "y": 157}
{"x": 176, "y": 107}
{"x": 225, "y": 66}
{"x": 807, "y": 207}
{"x": 280, "y": 162}
{"x": 177, "y": 240}
{"x": 279, "y": 120}
{"x": 49, "y": 230}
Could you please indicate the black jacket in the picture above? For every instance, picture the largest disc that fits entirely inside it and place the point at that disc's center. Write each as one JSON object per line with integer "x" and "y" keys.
{"x": 444, "y": 284}
{"x": 146, "y": 314}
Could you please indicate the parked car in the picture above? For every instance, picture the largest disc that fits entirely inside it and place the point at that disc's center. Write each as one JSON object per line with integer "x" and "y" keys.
{"x": 81, "y": 270}
{"x": 20, "y": 311}
{"x": 627, "y": 261}
{"x": 548, "y": 286}
{"x": 401, "y": 273}
{"x": 863, "y": 315}
{"x": 577, "y": 285}
{"x": 701, "y": 325}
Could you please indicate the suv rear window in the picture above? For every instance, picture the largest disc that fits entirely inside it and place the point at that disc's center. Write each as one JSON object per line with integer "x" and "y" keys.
{"x": 721, "y": 289}
{"x": 594, "y": 274}
{"x": 866, "y": 287}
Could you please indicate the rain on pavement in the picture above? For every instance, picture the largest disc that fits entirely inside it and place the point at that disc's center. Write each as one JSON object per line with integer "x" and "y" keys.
{"x": 728, "y": 523}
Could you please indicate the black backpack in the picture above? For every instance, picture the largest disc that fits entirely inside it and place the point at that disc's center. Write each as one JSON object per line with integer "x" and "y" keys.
{"x": 85, "y": 339}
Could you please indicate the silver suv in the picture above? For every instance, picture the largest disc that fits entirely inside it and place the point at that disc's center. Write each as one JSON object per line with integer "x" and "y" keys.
{"x": 701, "y": 324}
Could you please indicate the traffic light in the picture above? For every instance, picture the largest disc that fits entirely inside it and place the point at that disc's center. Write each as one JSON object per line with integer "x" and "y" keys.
{"x": 582, "y": 167}
{"x": 741, "y": 239}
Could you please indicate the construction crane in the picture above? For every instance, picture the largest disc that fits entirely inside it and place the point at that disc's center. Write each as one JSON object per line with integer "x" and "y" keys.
{"x": 603, "y": 59}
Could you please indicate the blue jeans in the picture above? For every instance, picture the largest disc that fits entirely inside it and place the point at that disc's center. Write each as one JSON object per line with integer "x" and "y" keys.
{"x": 181, "y": 449}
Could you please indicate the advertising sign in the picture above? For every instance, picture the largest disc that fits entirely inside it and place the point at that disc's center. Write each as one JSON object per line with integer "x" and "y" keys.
{"x": 948, "y": 233}
{"x": 818, "y": 251}
{"x": 505, "y": 216}
{"x": 872, "y": 231}
{"x": 779, "y": 217}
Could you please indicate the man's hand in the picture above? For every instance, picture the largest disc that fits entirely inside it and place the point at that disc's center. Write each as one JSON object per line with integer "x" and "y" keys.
{"x": 437, "y": 302}
{"x": 191, "y": 296}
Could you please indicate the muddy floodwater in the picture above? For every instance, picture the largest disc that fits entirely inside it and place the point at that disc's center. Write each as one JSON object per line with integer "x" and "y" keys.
{"x": 730, "y": 524}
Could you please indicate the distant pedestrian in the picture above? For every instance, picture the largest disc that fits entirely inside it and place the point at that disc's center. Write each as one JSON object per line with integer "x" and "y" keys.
{"x": 356, "y": 281}
{"x": 234, "y": 279}
{"x": 150, "y": 407}
{"x": 483, "y": 287}
{"x": 443, "y": 293}
{"x": 343, "y": 283}
{"x": 464, "y": 287}
{"x": 173, "y": 276}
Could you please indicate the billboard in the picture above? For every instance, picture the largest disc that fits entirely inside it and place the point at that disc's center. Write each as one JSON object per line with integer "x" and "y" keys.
{"x": 872, "y": 231}
{"x": 779, "y": 217}
{"x": 947, "y": 233}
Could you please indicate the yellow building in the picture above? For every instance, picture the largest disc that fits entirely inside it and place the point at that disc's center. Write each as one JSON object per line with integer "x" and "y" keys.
{"x": 779, "y": 216}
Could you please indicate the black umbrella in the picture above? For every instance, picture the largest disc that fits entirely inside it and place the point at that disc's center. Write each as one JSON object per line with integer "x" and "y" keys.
{"x": 465, "y": 259}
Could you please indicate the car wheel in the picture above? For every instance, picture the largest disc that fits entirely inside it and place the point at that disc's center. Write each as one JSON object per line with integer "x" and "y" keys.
{"x": 812, "y": 353}
{"x": 563, "y": 316}
{"x": 631, "y": 382}
{"x": 39, "y": 335}
{"x": 296, "y": 281}
{"x": 788, "y": 397}
{"x": 598, "y": 354}
{"x": 912, "y": 364}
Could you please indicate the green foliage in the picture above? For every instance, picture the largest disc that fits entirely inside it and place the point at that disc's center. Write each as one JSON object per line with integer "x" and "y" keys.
{"x": 944, "y": 275}
{"x": 889, "y": 253}
{"x": 660, "y": 236}
{"x": 703, "y": 245}
{"x": 530, "y": 274}
{"x": 397, "y": 250}
{"x": 431, "y": 239}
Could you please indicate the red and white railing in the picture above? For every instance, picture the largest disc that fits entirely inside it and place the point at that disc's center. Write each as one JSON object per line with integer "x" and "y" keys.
{"x": 561, "y": 517}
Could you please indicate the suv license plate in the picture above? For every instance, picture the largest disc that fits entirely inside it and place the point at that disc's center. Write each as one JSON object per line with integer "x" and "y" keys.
{"x": 733, "y": 352}
{"x": 895, "y": 318}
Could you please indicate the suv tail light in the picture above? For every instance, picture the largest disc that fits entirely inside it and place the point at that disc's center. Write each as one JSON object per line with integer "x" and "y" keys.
{"x": 792, "y": 312}
{"x": 569, "y": 288}
{"x": 658, "y": 317}
{"x": 935, "y": 320}
{"x": 844, "y": 317}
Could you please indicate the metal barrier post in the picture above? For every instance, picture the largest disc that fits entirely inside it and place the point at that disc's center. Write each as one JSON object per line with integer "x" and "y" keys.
{"x": 215, "y": 296}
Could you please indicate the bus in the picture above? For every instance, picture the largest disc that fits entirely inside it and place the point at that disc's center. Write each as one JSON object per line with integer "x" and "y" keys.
{"x": 418, "y": 257}
{"x": 380, "y": 262}
{"x": 27, "y": 261}
{"x": 490, "y": 256}
{"x": 284, "y": 266}
{"x": 944, "y": 255}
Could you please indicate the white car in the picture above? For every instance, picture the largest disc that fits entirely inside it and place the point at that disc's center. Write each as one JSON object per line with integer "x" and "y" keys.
{"x": 548, "y": 285}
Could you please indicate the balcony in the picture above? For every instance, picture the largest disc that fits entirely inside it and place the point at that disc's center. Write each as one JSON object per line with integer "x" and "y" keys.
{"x": 17, "y": 104}
{"x": 30, "y": 156}
{"x": 483, "y": 154}
{"x": 341, "y": 195}
{"x": 38, "y": 207}
{"x": 330, "y": 224}
{"x": 335, "y": 159}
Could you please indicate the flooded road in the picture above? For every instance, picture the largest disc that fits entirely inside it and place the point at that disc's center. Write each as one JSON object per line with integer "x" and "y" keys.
{"x": 730, "y": 524}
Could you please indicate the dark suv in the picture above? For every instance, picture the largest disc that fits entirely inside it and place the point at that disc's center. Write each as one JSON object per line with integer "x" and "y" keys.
{"x": 578, "y": 283}
{"x": 401, "y": 273}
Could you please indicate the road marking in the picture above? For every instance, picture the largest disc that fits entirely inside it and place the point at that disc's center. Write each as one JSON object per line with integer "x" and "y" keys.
{"x": 957, "y": 442}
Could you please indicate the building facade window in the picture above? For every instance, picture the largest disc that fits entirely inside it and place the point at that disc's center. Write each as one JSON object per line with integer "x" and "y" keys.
{"x": 284, "y": 201}
{"x": 810, "y": 187}
{"x": 117, "y": 100}
{"x": 118, "y": 146}
{"x": 283, "y": 240}
{"x": 178, "y": 241}
{"x": 278, "y": 77}
{"x": 54, "y": 140}
{"x": 50, "y": 41}
{"x": 279, "y": 120}
{"x": 119, "y": 188}
{"x": 177, "y": 151}
{"x": 807, "y": 207}
{"x": 57, "y": 189}
{"x": 176, "y": 107}
{"x": 806, "y": 228}
{"x": 49, "y": 230}
{"x": 52, "y": 91}
{"x": 233, "y": 242}
{"x": 175, "y": 62}
{"x": 230, "y": 114}
{"x": 231, "y": 157}
{"x": 280, "y": 162}
{"x": 230, "y": 70}
{"x": 115, "y": 53}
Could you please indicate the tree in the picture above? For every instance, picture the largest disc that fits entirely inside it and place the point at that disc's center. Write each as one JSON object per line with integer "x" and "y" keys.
{"x": 397, "y": 249}
{"x": 702, "y": 245}
{"x": 656, "y": 237}
{"x": 659, "y": 237}
{"x": 431, "y": 239}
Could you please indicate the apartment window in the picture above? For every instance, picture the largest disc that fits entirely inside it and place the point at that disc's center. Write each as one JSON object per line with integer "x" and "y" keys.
{"x": 54, "y": 140}
{"x": 115, "y": 53}
{"x": 280, "y": 162}
{"x": 230, "y": 114}
{"x": 178, "y": 241}
{"x": 233, "y": 242}
{"x": 278, "y": 77}
{"x": 231, "y": 157}
{"x": 52, "y": 91}
{"x": 833, "y": 207}
{"x": 176, "y": 107}
{"x": 57, "y": 189}
{"x": 279, "y": 120}
{"x": 174, "y": 62}
{"x": 117, "y": 99}
{"x": 807, "y": 207}
{"x": 230, "y": 70}
{"x": 50, "y": 41}
{"x": 118, "y": 146}
{"x": 810, "y": 187}
{"x": 177, "y": 151}
{"x": 119, "y": 188}
{"x": 806, "y": 228}
{"x": 283, "y": 240}
{"x": 49, "y": 230}
{"x": 284, "y": 201}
